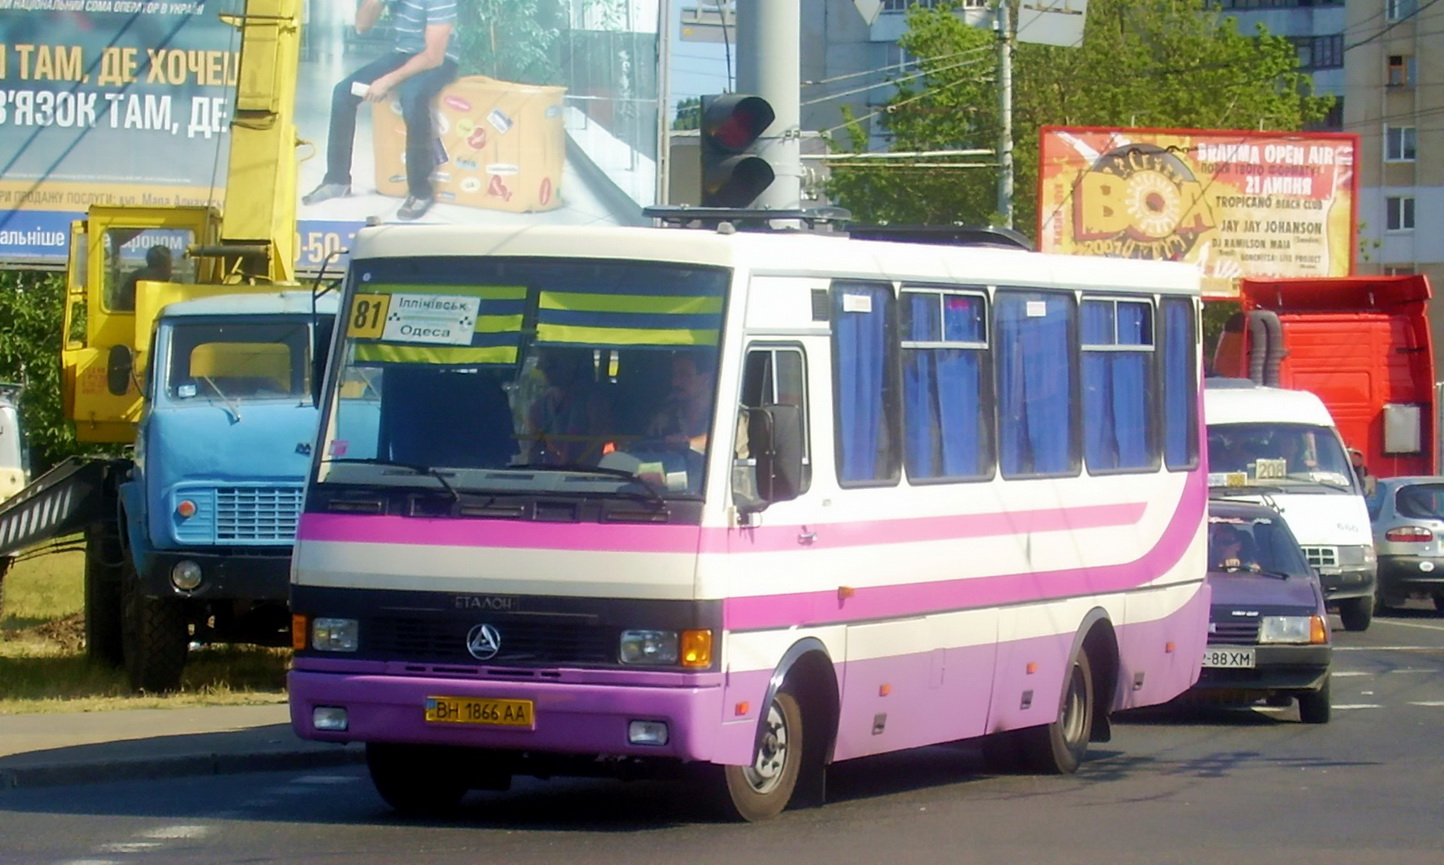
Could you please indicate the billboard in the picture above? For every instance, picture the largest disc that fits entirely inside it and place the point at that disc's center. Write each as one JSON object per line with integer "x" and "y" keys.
{"x": 1237, "y": 204}
{"x": 553, "y": 117}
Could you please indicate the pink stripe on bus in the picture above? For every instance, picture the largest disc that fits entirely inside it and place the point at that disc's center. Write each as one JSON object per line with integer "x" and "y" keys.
{"x": 885, "y": 602}
{"x": 622, "y": 537}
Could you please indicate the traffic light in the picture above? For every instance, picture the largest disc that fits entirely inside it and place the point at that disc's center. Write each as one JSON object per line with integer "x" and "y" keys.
{"x": 731, "y": 125}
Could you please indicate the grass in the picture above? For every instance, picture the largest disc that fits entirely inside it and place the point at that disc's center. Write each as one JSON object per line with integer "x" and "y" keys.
{"x": 43, "y": 666}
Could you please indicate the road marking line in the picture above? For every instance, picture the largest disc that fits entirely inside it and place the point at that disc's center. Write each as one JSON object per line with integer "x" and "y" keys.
{"x": 1433, "y": 704}
{"x": 1348, "y": 673}
{"x": 128, "y": 847}
{"x": 1424, "y": 625}
{"x": 325, "y": 779}
{"x": 1388, "y": 649}
{"x": 1357, "y": 706}
{"x": 180, "y": 830}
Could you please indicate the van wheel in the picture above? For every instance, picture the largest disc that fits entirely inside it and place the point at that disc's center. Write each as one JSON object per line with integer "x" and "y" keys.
{"x": 1058, "y": 748}
{"x": 762, "y": 790}
{"x": 1315, "y": 706}
{"x": 416, "y": 780}
{"x": 154, "y": 637}
{"x": 1356, "y": 613}
{"x": 103, "y": 574}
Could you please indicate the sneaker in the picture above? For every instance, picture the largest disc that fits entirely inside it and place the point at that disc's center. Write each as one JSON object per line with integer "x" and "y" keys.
{"x": 326, "y": 192}
{"x": 414, "y": 207}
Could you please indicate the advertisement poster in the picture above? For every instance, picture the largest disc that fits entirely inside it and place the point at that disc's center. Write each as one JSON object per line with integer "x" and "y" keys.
{"x": 552, "y": 118}
{"x": 1237, "y": 204}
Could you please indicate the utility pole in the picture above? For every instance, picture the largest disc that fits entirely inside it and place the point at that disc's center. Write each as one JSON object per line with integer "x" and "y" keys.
{"x": 769, "y": 65}
{"x": 664, "y": 102}
{"x": 1006, "y": 37}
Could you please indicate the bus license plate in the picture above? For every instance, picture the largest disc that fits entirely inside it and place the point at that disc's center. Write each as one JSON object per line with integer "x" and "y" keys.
{"x": 1227, "y": 657}
{"x": 492, "y": 713}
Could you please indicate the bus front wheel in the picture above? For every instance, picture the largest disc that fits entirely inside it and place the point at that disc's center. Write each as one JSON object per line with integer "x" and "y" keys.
{"x": 416, "y": 780}
{"x": 760, "y": 791}
{"x": 1058, "y": 748}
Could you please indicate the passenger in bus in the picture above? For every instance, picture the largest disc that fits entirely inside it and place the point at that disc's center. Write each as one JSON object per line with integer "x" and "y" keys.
{"x": 684, "y": 420}
{"x": 1291, "y": 449}
{"x": 1229, "y": 548}
{"x": 567, "y": 422}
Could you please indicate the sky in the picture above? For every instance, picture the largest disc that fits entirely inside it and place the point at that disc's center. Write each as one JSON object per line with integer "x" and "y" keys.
{"x": 698, "y": 68}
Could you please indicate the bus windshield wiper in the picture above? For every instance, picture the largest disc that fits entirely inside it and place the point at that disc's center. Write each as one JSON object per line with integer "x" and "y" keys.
{"x": 419, "y": 469}
{"x": 578, "y": 468}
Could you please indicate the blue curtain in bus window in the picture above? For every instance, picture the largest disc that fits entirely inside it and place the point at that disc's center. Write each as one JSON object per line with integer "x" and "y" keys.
{"x": 860, "y": 337}
{"x": 1100, "y": 439}
{"x": 1179, "y": 397}
{"x": 941, "y": 386}
{"x": 1035, "y": 383}
{"x": 1130, "y": 387}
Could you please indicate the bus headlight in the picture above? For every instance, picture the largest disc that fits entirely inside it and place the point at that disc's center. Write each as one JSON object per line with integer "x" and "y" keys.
{"x": 691, "y": 648}
{"x": 1284, "y": 629}
{"x": 334, "y": 635}
{"x": 649, "y": 647}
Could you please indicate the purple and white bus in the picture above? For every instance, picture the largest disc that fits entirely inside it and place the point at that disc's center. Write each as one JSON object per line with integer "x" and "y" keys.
{"x": 740, "y": 505}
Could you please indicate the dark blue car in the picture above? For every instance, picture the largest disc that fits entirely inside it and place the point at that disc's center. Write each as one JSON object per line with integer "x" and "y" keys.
{"x": 1268, "y": 632}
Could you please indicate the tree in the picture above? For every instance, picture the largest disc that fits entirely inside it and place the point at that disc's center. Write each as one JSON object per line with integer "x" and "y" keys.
{"x": 1142, "y": 63}
{"x": 31, "y": 307}
{"x": 688, "y": 114}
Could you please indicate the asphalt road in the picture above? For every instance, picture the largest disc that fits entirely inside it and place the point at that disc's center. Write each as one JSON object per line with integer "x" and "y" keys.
{"x": 1217, "y": 786}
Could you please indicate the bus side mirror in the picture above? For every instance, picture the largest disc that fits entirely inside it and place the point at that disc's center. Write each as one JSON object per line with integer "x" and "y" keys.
{"x": 118, "y": 366}
{"x": 774, "y": 434}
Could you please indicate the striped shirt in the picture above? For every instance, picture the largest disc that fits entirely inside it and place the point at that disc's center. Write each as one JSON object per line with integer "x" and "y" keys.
{"x": 410, "y": 18}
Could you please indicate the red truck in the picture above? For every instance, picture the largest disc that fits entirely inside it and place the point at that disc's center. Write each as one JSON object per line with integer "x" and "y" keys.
{"x": 1361, "y": 343}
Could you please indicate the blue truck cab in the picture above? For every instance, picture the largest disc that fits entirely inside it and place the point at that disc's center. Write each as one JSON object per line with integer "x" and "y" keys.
{"x": 208, "y": 510}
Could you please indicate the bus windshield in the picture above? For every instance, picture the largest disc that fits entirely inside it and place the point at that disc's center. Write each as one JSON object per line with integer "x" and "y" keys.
{"x": 526, "y": 374}
{"x": 1295, "y": 456}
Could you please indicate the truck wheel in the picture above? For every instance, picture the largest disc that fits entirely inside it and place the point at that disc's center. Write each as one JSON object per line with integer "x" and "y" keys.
{"x": 1058, "y": 748}
{"x": 154, "y": 637}
{"x": 1356, "y": 613}
{"x": 1315, "y": 706}
{"x": 102, "y": 594}
{"x": 416, "y": 780}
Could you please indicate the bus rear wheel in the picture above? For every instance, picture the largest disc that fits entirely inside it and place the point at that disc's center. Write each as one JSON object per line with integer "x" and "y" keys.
{"x": 762, "y": 790}
{"x": 1058, "y": 748}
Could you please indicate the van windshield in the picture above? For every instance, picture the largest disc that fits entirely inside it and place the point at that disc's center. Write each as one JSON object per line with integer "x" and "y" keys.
{"x": 1292, "y": 456}
{"x": 532, "y": 375}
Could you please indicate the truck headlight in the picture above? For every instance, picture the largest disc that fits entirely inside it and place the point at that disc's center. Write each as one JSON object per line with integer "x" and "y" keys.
{"x": 334, "y": 635}
{"x": 1355, "y": 554}
{"x": 1285, "y": 629}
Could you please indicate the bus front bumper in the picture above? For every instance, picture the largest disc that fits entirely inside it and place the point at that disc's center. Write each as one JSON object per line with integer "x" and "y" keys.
{"x": 568, "y": 714}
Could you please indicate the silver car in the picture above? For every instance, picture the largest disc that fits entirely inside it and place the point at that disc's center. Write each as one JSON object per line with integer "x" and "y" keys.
{"x": 1407, "y": 514}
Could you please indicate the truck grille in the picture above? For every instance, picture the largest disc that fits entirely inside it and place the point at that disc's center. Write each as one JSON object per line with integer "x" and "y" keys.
{"x": 1322, "y": 557}
{"x": 241, "y": 515}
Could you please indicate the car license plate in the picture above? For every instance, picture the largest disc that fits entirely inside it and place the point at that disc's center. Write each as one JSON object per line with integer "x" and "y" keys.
{"x": 493, "y": 713}
{"x": 1227, "y": 656}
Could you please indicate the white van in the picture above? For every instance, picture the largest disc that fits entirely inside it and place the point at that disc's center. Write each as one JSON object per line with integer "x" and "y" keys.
{"x": 1282, "y": 445}
{"x": 14, "y": 456}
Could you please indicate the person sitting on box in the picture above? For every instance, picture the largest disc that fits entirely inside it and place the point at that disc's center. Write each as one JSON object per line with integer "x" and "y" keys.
{"x": 421, "y": 64}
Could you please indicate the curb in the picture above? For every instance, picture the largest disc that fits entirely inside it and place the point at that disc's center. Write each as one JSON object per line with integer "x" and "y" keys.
{"x": 180, "y": 766}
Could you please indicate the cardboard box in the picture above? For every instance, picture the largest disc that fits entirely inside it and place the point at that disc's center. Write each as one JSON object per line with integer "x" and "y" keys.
{"x": 499, "y": 145}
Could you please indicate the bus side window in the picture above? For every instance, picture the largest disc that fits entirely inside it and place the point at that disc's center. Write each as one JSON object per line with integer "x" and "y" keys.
{"x": 772, "y": 375}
